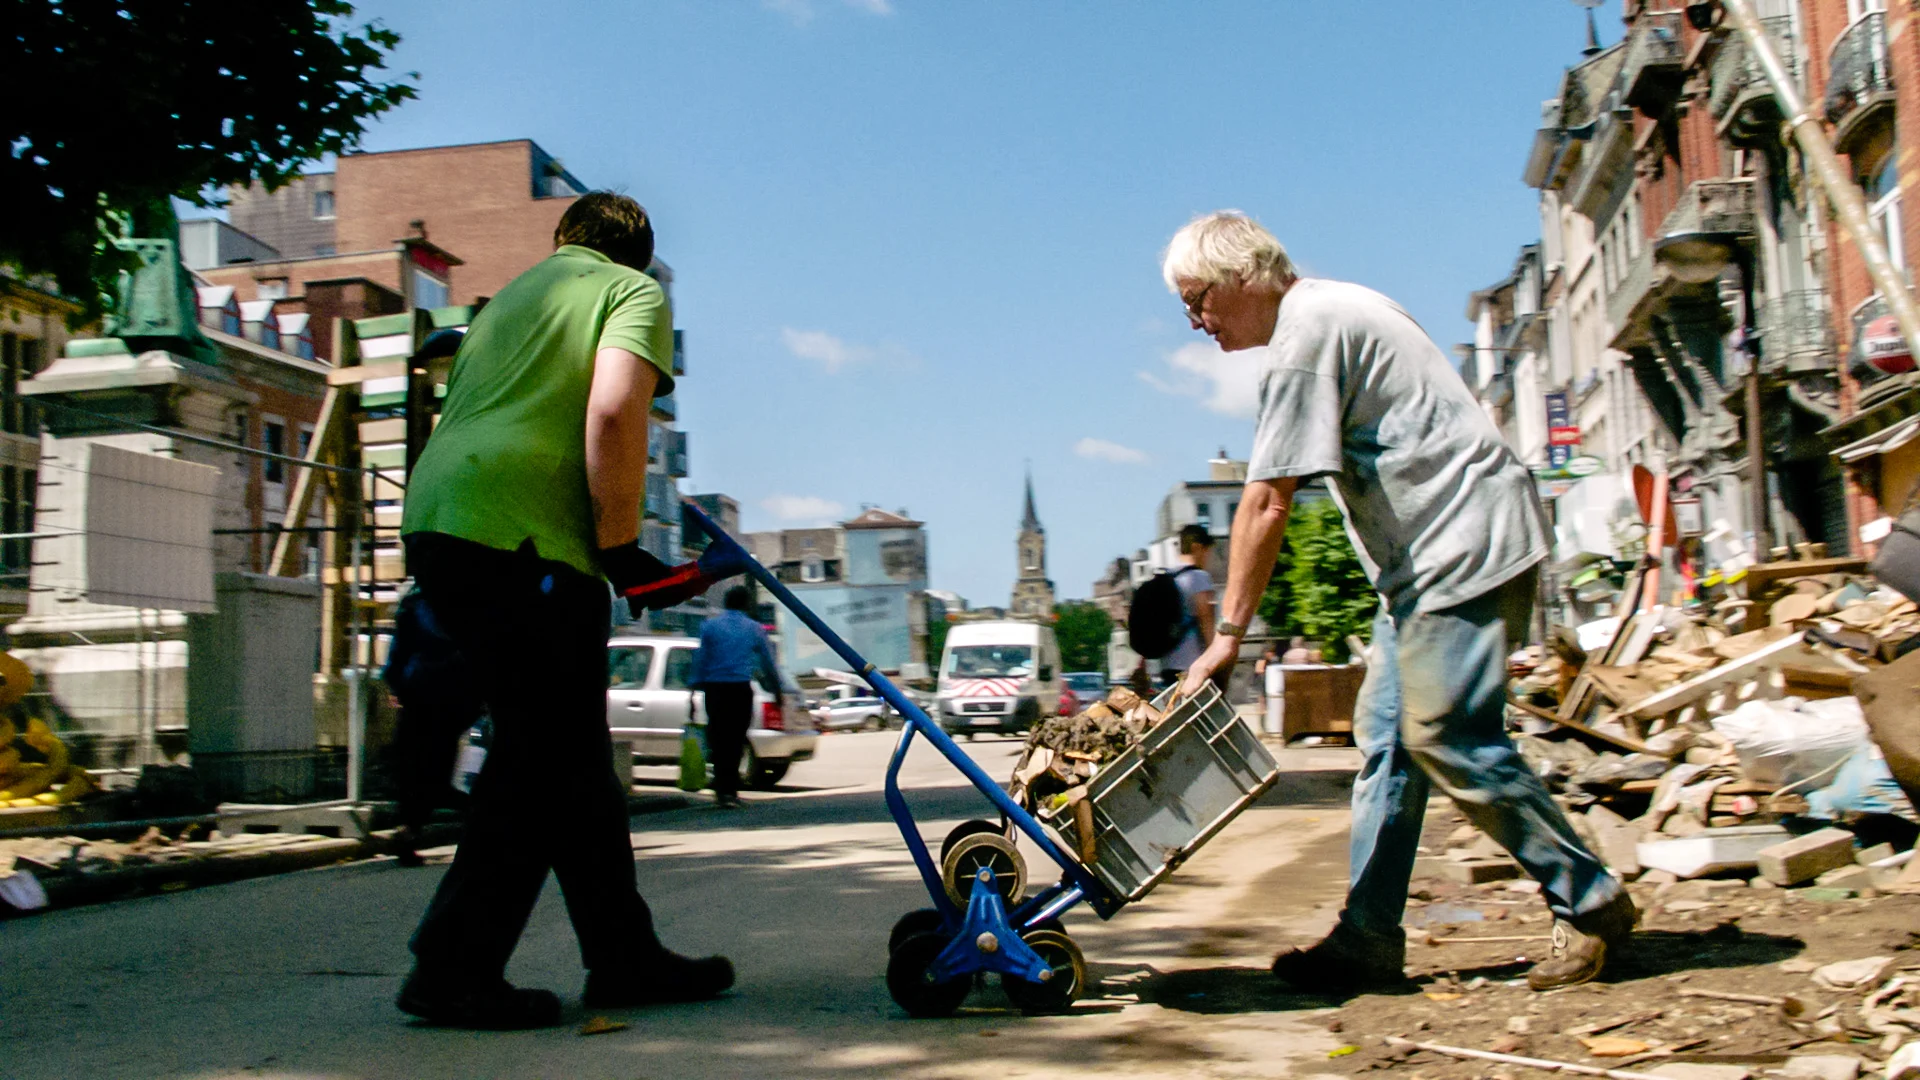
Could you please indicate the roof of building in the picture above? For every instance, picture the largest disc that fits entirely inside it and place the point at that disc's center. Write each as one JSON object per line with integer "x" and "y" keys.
{"x": 876, "y": 518}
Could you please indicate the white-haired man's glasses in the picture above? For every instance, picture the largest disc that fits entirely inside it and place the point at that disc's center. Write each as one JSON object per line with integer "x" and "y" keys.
{"x": 1194, "y": 305}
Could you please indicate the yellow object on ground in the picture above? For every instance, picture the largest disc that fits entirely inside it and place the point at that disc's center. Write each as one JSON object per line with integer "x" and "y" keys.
{"x": 15, "y": 680}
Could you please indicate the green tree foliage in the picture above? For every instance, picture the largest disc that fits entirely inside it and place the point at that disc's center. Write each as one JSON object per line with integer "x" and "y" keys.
{"x": 1319, "y": 590}
{"x": 189, "y": 96}
{"x": 1083, "y": 631}
{"x": 937, "y": 627}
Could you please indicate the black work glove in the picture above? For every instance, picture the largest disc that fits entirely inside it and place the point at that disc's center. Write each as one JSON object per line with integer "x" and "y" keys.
{"x": 629, "y": 567}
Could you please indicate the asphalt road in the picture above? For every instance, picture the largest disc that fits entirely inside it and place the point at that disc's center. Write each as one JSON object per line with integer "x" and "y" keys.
{"x": 294, "y": 976}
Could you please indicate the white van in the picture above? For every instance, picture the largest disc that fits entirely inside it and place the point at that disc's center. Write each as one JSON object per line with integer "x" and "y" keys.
{"x": 998, "y": 676}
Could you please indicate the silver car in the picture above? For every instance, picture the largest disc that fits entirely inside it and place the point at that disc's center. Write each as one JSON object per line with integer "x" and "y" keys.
{"x": 651, "y": 700}
{"x": 856, "y": 714}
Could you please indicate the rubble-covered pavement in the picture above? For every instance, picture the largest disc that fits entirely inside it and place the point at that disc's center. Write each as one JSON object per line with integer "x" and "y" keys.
{"x": 1734, "y": 778}
{"x": 1666, "y": 999}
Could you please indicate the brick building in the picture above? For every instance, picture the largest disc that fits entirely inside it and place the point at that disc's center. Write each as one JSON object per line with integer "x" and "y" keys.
{"x": 433, "y": 228}
{"x": 495, "y": 203}
{"x": 1863, "y": 81}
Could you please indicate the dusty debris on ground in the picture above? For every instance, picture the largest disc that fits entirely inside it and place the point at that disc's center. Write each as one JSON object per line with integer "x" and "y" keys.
{"x": 1721, "y": 762}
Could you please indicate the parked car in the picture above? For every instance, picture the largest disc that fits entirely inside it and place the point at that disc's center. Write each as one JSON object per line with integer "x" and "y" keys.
{"x": 651, "y": 700}
{"x": 1087, "y": 686}
{"x": 856, "y": 714}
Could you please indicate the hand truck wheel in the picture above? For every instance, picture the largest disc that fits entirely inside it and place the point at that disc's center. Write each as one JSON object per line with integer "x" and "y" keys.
{"x": 966, "y": 829}
{"x": 961, "y": 867}
{"x": 1058, "y": 993}
{"x": 911, "y": 986}
{"x": 919, "y": 921}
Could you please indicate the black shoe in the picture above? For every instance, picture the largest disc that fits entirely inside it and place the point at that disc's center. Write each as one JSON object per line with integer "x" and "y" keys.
{"x": 729, "y": 802}
{"x": 1343, "y": 962}
{"x": 498, "y": 1006}
{"x": 405, "y": 846}
{"x": 668, "y": 979}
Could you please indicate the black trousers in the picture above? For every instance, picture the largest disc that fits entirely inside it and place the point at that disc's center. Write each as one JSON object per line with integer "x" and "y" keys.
{"x": 535, "y": 635}
{"x": 439, "y": 700}
{"x": 729, "y": 714}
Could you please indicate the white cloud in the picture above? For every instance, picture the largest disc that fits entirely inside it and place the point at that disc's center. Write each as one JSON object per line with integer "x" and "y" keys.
{"x": 803, "y": 508}
{"x": 1226, "y": 383}
{"x": 1102, "y": 450}
{"x": 872, "y": 7}
{"x": 831, "y": 352}
{"x": 835, "y": 354}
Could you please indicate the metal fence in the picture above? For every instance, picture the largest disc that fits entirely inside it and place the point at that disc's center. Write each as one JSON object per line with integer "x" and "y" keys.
{"x": 155, "y": 630}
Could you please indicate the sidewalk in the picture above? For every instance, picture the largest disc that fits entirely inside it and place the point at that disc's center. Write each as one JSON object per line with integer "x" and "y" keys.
{"x": 293, "y": 976}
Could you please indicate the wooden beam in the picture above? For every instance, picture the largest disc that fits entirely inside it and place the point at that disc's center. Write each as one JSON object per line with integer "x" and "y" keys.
{"x": 359, "y": 373}
{"x": 1704, "y": 684}
{"x": 1632, "y": 746}
{"x": 300, "y": 499}
{"x": 1759, "y": 577}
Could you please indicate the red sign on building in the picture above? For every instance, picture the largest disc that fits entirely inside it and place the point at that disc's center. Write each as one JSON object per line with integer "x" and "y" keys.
{"x": 1563, "y": 436}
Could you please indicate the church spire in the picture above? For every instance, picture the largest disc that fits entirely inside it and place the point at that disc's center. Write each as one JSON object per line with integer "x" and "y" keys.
{"x": 1030, "y": 522}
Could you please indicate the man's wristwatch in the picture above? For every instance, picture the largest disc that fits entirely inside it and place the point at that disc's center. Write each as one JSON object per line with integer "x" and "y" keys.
{"x": 1229, "y": 629}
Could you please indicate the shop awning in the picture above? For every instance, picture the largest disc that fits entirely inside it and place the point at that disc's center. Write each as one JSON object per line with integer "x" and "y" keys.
{"x": 1880, "y": 442}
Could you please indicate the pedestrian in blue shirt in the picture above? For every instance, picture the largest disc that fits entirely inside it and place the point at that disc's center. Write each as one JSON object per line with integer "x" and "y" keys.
{"x": 733, "y": 650}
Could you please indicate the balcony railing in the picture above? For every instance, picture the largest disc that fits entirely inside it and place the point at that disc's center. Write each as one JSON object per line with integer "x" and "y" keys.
{"x": 1714, "y": 206}
{"x": 1656, "y": 61}
{"x": 1796, "y": 332}
{"x": 1859, "y": 72}
{"x": 1631, "y": 288}
{"x": 1737, "y": 75}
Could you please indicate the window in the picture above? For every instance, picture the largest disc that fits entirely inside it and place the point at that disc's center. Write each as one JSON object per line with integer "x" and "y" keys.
{"x": 1857, "y": 8}
{"x": 1203, "y": 515}
{"x": 273, "y": 439}
{"x": 627, "y": 668}
{"x": 271, "y": 289}
{"x": 323, "y": 205}
{"x": 1883, "y": 207}
{"x": 679, "y": 673}
{"x": 428, "y": 292}
{"x": 813, "y": 568}
{"x": 321, "y": 251}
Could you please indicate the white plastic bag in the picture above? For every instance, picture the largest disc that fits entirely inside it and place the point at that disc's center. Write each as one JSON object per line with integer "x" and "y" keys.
{"x": 1784, "y": 742}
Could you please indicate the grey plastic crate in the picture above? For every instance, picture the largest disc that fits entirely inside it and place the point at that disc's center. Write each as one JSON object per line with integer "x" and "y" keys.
{"x": 1157, "y": 803}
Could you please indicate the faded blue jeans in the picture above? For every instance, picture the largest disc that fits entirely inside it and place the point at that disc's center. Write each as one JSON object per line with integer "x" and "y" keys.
{"x": 1432, "y": 709}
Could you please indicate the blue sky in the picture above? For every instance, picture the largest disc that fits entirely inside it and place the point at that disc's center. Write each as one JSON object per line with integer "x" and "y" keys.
{"x": 916, "y": 241}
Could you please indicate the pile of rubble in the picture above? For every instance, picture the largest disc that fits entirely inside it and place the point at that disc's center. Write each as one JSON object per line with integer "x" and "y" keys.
{"x": 1685, "y": 750}
{"x": 1065, "y": 752}
{"x": 38, "y": 872}
{"x": 1749, "y": 771}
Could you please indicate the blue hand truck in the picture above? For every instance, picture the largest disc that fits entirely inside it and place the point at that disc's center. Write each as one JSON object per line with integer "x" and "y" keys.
{"x": 1159, "y": 801}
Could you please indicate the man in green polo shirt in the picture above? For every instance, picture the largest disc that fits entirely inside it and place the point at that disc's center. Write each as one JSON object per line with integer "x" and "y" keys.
{"x": 526, "y": 496}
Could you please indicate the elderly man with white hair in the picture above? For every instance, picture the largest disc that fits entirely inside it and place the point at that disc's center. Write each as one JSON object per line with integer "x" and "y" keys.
{"x": 1446, "y": 521}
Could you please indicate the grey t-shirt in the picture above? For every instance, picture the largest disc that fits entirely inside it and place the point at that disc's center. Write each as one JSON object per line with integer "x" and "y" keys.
{"x": 1351, "y": 388}
{"x": 1193, "y": 582}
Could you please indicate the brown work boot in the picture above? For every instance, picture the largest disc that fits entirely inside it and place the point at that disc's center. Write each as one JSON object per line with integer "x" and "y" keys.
{"x": 1582, "y": 945}
{"x": 1343, "y": 962}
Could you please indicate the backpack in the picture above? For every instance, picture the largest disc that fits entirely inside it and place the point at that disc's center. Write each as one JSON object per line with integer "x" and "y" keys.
{"x": 1159, "y": 620}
